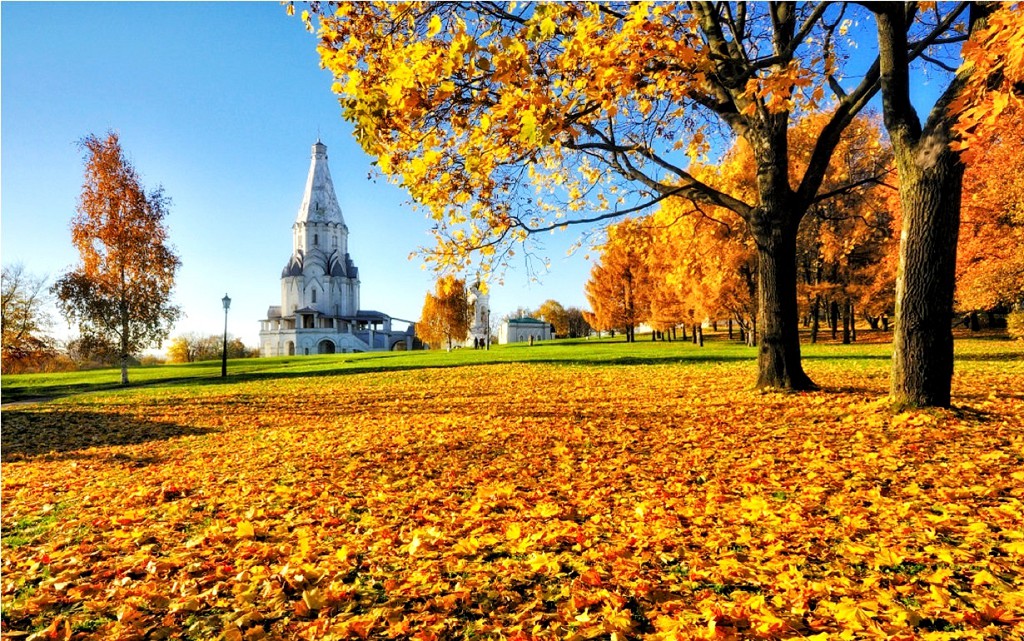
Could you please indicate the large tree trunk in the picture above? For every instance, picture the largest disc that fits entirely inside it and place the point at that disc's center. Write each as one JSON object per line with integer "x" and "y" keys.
{"x": 778, "y": 356}
{"x": 931, "y": 178}
{"x": 922, "y": 359}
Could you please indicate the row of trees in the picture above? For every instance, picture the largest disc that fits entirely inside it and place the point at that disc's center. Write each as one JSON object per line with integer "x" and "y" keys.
{"x": 569, "y": 322}
{"x": 505, "y": 120}
{"x": 193, "y": 347}
{"x": 683, "y": 264}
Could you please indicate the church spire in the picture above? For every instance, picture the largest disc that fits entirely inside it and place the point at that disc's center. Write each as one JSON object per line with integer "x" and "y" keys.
{"x": 319, "y": 203}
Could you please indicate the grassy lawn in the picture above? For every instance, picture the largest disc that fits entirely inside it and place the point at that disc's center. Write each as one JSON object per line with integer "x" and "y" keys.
{"x": 586, "y": 489}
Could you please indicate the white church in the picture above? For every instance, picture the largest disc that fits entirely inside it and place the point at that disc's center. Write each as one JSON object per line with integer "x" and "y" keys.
{"x": 319, "y": 311}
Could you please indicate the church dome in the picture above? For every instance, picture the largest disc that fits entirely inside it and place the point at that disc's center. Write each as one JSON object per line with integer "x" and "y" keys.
{"x": 293, "y": 268}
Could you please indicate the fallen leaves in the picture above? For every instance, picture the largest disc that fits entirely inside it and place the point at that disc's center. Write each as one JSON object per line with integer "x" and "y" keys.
{"x": 520, "y": 500}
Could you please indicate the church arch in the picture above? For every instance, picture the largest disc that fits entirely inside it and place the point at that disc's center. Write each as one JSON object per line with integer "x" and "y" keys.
{"x": 291, "y": 348}
{"x": 326, "y": 346}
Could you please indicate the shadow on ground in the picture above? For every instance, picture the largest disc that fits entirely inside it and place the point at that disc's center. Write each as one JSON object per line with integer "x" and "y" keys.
{"x": 65, "y": 434}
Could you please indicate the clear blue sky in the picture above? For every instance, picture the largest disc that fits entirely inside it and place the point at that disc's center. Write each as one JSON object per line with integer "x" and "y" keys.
{"x": 219, "y": 103}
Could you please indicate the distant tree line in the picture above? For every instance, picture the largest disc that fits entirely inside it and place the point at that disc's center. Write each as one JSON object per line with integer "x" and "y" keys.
{"x": 192, "y": 347}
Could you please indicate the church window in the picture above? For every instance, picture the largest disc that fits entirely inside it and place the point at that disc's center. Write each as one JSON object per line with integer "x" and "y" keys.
{"x": 316, "y": 240}
{"x": 314, "y": 295}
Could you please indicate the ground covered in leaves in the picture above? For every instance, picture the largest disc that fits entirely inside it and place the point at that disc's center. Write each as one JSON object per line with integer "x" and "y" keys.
{"x": 521, "y": 501}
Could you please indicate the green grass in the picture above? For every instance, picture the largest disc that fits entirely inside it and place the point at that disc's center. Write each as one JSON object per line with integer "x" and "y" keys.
{"x": 717, "y": 348}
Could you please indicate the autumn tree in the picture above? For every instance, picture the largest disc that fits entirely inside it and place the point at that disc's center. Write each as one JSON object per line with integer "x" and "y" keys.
{"x": 576, "y": 323}
{"x": 620, "y": 285}
{"x": 931, "y": 174}
{"x": 25, "y": 321}
{"x": 843, "y": 242}
{"x": 120, "y": 292}
{"x": 446, "y": 313}
{"x": 191, "y": 347}
{"x": 990, "y": 258}
{"x": 505, "y": 120}
{"x": 553, "y": 312}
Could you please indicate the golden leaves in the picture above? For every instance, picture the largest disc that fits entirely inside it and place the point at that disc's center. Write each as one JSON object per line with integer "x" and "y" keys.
{"x": 560, "y": 501}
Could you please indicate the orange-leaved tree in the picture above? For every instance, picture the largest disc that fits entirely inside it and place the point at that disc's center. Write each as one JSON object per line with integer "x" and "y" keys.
{"x": 553, "y": 312}
{"x": 446, "y": 317}
{"x": 990, "y": 257}
{"x": 121, "y": 290}
{"x": 620, "y": 285}
{"x": 507, "y": 119}
{"x": 844, "y": 239}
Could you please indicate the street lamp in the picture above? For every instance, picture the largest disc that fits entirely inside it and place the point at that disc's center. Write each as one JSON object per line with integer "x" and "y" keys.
{"x": 224, "y": 355}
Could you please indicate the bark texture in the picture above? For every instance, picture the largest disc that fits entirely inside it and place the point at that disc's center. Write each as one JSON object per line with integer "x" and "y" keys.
{"x": 931, "y": 178}
{"x": 922, "y": 365}
{"x": 778, "y": 355}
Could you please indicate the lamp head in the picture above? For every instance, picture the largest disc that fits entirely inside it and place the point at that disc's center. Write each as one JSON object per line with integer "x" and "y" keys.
{"x": 226, "y": 301}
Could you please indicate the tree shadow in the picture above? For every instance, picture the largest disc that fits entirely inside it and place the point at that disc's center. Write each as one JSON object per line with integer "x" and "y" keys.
{"x": 60, "y": 433}
{"x": 26, "y": 395}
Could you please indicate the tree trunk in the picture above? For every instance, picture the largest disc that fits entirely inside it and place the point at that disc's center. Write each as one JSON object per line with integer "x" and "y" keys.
{"x": 922, "y": 360}
{"x": 778, "y": 357}
{"x": 931, "y": 182}
{"x": 683, "y": 331}
{"x": 814, "y": 318}
{"x": 853, "y": 323}
{"x": 975, "y": 324}
{"x": 833, "y": 318}
{"x": 694, "y": 333}
{"x": 700, "y": 335}
{"x": 730, "y": 329}
{"x": 846, "y": 322}
{"x": 125, "y": 329}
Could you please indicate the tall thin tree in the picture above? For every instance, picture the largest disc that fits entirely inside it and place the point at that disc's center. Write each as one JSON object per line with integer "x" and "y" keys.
{"x": 121, "y": 289}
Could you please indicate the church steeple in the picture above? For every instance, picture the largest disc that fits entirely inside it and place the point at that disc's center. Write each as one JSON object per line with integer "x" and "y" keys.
{"x": 319, "y": 202}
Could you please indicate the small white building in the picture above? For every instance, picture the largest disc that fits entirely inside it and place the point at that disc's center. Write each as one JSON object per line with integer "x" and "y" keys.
{"x": 520, "y": 330}
{"x": 319, "y": 311}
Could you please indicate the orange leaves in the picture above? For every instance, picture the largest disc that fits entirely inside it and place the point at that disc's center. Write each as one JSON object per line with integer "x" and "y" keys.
{"x": 547, "y": 500}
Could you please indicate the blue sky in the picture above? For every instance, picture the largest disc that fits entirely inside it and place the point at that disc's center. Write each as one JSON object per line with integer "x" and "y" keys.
{"x": 219, "y": 103}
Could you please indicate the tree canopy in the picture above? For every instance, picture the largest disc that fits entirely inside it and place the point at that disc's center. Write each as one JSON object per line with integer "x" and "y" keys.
{"x": 120, "y": 291}
{"x": 25, "y": 320}
{"x": 446, "y": 317}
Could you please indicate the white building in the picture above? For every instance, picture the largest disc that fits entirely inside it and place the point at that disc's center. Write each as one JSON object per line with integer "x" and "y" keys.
{"x": 519, "y": 330}
{"x": 480, "y": 326}
{"x": 319, "y": 311}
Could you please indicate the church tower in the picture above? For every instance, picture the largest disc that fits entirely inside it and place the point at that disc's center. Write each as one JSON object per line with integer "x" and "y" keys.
{"x": 320, "y": 276}
{"x": 319, "y": 311}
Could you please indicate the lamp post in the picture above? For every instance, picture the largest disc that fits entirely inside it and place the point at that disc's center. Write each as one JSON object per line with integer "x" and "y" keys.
{"x": 224, "y": 354}
{"x": 487, "y": 322}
